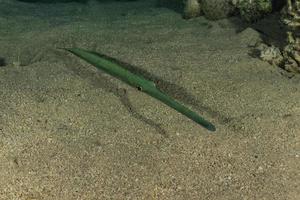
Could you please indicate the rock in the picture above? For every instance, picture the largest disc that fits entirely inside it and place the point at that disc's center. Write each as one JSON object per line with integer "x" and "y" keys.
{"x": 217, "y": 9}
{"x": 250, "y": 37}
{"x": 252, "y": 11}
{"x": 191, "y": 9}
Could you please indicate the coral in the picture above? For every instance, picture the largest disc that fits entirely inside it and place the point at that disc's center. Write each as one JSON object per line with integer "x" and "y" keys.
{"x": 191, "y": 9}
{"x": 291, "y": 52}
{"x": 271, "y": 54}
{"x": 253, "y": 10}
{"x": 217, "y": 9}
{"x": 287, "y": 57}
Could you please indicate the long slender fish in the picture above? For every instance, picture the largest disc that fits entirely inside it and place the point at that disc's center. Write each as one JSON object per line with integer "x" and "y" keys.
{"x": 139, "y": 82}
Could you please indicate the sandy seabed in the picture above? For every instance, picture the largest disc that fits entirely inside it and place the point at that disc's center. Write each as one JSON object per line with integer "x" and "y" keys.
{"x": 69, "y": 131}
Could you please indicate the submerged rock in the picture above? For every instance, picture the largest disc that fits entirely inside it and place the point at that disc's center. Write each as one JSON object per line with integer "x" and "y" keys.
{"x": 217, "y": 9}
{"x": 192, "y": 9}
{"x": 254, "y": 10}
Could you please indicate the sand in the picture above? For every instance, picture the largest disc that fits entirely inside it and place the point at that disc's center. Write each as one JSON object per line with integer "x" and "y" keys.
{"x": 70, "y": 131}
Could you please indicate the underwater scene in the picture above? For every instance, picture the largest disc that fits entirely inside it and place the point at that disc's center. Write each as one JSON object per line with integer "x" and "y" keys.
{"x": 150, "y": 99}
